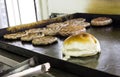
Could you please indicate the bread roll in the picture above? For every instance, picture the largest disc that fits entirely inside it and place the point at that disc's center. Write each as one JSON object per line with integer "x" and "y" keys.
{"x": 80, "y": 45}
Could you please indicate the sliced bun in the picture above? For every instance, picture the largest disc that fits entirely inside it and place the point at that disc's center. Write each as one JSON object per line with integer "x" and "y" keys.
{"x": 80, "y": 45}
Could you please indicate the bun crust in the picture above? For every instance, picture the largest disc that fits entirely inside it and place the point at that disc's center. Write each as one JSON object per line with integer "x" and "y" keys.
{"x": 83, "y": 38}
{"x": 81, "y": 45}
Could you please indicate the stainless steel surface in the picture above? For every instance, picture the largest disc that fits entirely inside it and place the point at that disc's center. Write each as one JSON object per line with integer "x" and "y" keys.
{"x": 51, "y": 73}
{"x": 53, "y": 50}
{"x": 39, "y": 69}
{"x": 22, "y": 66}
{"x": 107, "y": 60}
{"x": 4, "y": 67}
{"x": 109, "y": 38}
{"x": 11, "y": 56}
{"x": 56, "y": 73}
{"x": 8, "y": 60}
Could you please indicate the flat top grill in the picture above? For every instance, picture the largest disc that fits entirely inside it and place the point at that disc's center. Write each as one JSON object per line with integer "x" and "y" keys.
{"x": 107, "y": 60}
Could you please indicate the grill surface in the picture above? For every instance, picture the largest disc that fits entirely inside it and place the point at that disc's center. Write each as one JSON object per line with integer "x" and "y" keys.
{"x": 109, "y": 37}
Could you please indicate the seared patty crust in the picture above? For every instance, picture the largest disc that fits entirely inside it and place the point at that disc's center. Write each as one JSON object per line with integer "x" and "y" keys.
{"x": 45, "y": 40}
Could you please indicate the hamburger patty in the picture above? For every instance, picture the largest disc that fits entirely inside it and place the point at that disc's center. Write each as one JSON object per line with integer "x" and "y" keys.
{"x": 56, "y": 25}
{"x": 14, "y": 36}
{"x": 49, "y": 31}
{"x": 44, "y": 40}
{"x": 75, "y": 20}
{"x": 35, "y": 30}
{"x": 101, "y": 21}
{"x": 71, "y": 30}
{"x": 31, "y": 36}
{"x": 85, "y": 24}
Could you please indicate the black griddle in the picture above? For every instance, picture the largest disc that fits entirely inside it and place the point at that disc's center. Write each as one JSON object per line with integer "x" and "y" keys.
{"x": 104, "y": 64}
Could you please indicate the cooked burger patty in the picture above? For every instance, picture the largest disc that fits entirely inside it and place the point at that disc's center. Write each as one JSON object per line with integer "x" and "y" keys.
{"x": 85, "y": 24}
{"x": 14, "y": 36}
{"x": 35, "y": 30}
{"x": 49, "y": 31}
{"x": 75, "y": 20}
{"x": 31, "y": 36}
{"x": 56, "y": 25}
{"x": 71, "y": 30}
{"x": 101, "y": 21}
{"x": 45, "y": 31}
{"x": 44, "y": 40}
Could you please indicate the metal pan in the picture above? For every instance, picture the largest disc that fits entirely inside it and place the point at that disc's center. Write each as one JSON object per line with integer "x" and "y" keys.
{"x": 107, "y": 61}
